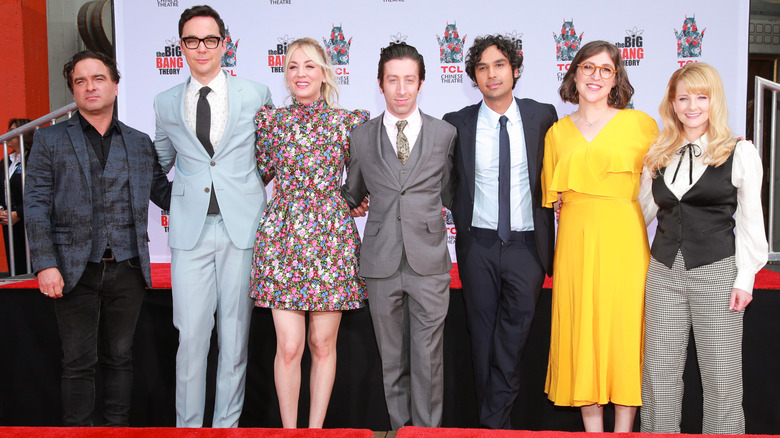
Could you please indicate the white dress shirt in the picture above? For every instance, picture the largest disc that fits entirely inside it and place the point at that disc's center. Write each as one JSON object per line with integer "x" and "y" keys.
{"x": 486, "y": 171}
{"x": 218, "y": 100}
{"x": 751, "y": 250}
{"x": 412, "y": 129}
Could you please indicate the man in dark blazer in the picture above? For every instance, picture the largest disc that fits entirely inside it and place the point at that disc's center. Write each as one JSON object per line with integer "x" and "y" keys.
{"x": 403, "y": 158}
{"x": 89, "y": 182}
{"x": 505, "y": 238}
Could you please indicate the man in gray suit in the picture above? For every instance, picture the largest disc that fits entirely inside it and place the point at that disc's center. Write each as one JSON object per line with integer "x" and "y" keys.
{"x": 205, "y": 127}
{"x": 89, "y": 181}
{"x": 403, "y": 158}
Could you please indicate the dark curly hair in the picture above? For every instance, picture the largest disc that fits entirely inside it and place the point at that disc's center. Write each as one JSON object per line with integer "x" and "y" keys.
{"x": 400, "y": 51}
{"x": 621, "y": 93}
{"x": 504, "y": 45}
{"x": 201, "y": 11}
{"x": 109, "y": 62}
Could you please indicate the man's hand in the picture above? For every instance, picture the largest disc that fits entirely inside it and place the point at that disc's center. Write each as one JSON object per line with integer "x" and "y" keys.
{"x": 360, "y": 210}
{"x": 50, "y": 282}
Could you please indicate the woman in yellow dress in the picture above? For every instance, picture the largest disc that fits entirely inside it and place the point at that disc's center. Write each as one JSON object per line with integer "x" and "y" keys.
{"x": 592, "y": 168}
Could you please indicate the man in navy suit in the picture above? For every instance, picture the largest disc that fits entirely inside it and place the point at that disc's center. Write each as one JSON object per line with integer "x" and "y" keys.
{"x": 89, "y": 182}
{"x": 505, "y": 237}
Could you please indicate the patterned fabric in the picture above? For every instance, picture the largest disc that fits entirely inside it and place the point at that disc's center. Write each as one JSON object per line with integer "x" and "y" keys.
{"x": 401, "y": 142}
{"x": 305, "y": 254}
{"x": 676, "y": 300}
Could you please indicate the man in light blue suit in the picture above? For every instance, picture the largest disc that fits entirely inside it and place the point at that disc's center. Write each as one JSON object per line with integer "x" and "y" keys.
{"x": 205, "y": 127}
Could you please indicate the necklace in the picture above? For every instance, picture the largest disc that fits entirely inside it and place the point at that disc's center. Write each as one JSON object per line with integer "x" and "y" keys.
{"x": 590, "y": 124}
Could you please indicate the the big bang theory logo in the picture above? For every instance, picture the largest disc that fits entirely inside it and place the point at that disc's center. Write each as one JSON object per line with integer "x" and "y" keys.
{"x": 276, "y": 56}
{"x": 164, "y": 219}
{"x": 337, "y": 47}
{"x": 451, "y": 52}
{"x": 169, "y": 60}
{"x": 631, "y": 48}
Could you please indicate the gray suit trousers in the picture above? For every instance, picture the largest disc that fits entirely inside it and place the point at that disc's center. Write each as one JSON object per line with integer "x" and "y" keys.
{"x": 412, "y": 364}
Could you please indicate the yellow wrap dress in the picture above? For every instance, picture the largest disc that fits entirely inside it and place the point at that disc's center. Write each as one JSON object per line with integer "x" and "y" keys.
{"x": 601, "y": 260}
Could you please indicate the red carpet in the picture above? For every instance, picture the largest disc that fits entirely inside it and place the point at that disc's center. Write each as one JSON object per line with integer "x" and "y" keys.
{"x": 421, "y": 432}
{"x": 161, "y": 279}
{"x": 170, "y": 432}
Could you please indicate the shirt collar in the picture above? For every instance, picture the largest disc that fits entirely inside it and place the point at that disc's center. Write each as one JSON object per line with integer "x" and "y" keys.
{"x": 218, "y": 85}
{"x": 512, "y": 113}
{"x": 86, "y": 126}
{"x": 702, "y": 142}
{"x": 414, "y": 119}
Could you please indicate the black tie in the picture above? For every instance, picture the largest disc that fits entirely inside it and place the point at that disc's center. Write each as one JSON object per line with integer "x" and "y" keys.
{"x": 203, "y": 121}
{"x": 504, "y": 222}
{"x": 203, "y": 132}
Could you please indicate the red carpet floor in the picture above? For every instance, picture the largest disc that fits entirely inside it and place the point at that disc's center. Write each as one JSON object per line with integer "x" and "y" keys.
{"x": 406, "y": 432}
{"x": 161, "y": 279}
{"x": 420, "y": 432}
{"x": 170, "y": 432}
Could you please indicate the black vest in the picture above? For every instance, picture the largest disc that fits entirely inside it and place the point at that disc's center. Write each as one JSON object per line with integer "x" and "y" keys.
{"x": 701, "y": 224}
{"x": 112, "y": 211}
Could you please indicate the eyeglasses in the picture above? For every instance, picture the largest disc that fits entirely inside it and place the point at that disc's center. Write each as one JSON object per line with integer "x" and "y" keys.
{"x": 588, "y": 68}
{"x": 192, "y": 43}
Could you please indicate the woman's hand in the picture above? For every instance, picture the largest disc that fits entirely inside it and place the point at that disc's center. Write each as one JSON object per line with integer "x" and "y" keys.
{"x": 739, "y": 300}
{"x": 557, "y": 204}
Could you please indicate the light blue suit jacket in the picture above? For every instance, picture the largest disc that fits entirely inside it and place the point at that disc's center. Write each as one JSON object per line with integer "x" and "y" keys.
{"x": 232, "y": 170}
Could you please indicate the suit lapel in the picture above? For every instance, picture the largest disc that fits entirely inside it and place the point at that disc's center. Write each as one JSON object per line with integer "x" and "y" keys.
{"x": 469, "y": 145}
{"x": 177, "y": 107}
{"x": 135, "y": 166}
{"x": 79, "y": 143}
{"x": 235, "y": 98}
{"x": 531, "y": 134}
{"x": 378, "y": 130}
{"x": 426, "y": 143}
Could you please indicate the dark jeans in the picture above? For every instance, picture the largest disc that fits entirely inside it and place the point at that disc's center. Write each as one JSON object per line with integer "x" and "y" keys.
{"x": 97, "y": 321}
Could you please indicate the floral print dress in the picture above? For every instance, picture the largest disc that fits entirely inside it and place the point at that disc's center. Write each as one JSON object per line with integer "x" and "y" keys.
{"x": 305, "y": 253}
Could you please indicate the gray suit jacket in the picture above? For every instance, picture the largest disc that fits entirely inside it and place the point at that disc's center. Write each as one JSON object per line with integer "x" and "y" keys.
{"x": 404, "y": 217}
{"x": 58, "y": 197}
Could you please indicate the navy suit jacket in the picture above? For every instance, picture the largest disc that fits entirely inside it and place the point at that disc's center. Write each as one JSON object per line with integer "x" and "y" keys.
{"x": 58, "y": 197}
{"x": 537, "y": 119}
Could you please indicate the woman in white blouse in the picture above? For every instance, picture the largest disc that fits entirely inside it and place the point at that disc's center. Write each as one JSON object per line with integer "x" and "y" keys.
{"x": 704, "y": 186}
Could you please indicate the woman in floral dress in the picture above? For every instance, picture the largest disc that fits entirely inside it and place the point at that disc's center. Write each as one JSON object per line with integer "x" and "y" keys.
{"x": 305, "y": 254}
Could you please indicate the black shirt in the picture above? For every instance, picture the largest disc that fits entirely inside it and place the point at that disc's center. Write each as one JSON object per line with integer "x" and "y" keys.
{"x": 100, "y": 143}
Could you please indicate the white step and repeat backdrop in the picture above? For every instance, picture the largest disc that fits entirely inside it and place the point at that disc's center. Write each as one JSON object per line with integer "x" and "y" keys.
{"x": 656, "y": 38}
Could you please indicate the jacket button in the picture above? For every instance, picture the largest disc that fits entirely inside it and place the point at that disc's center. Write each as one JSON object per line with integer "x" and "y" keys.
{"x": 213, "y": 164}
{"x": 206, "y": 190}
{"x": 399, "y": 218}
{"x": 403, "y": 192}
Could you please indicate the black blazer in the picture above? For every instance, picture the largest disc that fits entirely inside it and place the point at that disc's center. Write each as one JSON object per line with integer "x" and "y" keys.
{"x": 537, "y": 119}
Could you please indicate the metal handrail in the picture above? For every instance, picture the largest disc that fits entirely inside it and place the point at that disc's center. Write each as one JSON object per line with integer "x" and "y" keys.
{"x": 761, "y": 85}
{"x": 19, "y": 132}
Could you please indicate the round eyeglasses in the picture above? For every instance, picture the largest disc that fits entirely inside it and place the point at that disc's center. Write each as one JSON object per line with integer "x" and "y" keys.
{"x": 588, "y": 68}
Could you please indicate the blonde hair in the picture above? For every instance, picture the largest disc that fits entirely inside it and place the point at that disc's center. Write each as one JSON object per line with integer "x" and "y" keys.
{"x": 698, "y": 78}
{"x": 313, "y": 49}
